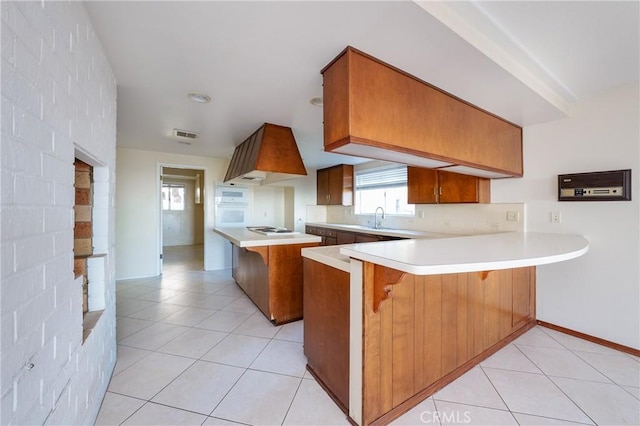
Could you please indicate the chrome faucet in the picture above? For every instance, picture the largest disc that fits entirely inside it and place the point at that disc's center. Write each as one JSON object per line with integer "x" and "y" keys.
{"x": 377, "y": 224}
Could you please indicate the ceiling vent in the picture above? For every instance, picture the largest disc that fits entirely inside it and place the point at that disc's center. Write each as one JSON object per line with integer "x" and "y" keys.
{"x": 184, "y": 134}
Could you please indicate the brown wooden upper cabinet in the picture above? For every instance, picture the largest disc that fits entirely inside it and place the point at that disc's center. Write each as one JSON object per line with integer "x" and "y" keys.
{"x": 335, "y": 185}
{"x": 374, "y": 110}
{"x": 429, "y": 186}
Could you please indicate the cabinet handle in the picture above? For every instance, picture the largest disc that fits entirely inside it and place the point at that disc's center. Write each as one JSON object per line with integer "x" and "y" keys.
{"x": 440, "y": 191}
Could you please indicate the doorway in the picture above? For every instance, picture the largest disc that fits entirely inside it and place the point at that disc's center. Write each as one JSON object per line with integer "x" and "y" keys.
{"x": 182, "y": 218}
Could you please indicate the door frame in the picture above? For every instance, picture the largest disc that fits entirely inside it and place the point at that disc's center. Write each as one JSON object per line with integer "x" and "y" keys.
{"x": 204, "y": 196}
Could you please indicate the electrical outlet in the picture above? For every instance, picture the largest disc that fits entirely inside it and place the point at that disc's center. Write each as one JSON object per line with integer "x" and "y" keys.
{"x": 556, "y": 217}
{"x": 513, "y": 216}
{"x": 421, "y": 214}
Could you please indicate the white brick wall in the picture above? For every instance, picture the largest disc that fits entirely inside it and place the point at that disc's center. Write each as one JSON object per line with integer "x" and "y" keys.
{"x": 58, "y": 101}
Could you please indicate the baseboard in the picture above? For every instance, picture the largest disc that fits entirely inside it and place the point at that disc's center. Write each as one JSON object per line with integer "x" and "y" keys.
{"x": 599, "y": 341}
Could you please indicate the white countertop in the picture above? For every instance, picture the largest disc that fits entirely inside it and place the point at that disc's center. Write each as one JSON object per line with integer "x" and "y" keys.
{"x": 470, "y": 253}
{"x": 329, "y": 255}
{"x": 242, "y": 237}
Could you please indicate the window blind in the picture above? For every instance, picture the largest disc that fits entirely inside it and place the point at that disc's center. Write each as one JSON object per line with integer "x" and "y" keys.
{"x": 389, "y": 177}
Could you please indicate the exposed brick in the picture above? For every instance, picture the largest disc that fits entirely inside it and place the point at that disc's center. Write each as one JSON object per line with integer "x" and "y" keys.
{"x": 82, "y": 230}
{"x": 82, "y": 247}
{"x": 83, "y": 213}
{"x": 82, "y": 180}
{"x": 83, "y": 196}
{"x": 80, "y": 267}
{"x": 81, "y": 166}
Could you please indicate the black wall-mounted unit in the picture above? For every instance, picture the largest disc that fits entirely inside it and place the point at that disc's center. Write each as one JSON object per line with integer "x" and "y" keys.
{"x": 613, "y": 185}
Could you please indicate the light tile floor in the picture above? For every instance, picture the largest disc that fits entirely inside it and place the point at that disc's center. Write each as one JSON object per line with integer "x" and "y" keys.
{"x": 193, "y": 350}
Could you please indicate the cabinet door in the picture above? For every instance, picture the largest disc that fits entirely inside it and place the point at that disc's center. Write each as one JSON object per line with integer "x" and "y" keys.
{"x": 341, "y": 185}
{"x": 366, "y": 238}
{"x": 345, "y": 237}
{"x": 422, "y": 185}
{"x": 335, "y": 185}
{"x": 322, "y": 187}
{"x": 362, "y": 95}
{"x": 326, "y": 331}
{"x": 457, "y": 188}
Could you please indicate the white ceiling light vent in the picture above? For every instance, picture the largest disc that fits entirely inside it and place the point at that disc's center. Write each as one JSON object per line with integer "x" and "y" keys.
{"x": 184, "y": 136}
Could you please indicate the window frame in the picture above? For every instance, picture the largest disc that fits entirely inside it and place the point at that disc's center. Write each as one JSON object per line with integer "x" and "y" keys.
{"x": 380, "y": 169}
{"x": 171, "y": 185}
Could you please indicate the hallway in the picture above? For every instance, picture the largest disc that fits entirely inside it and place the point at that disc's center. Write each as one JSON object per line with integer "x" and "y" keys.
{"x": 193, "y": 350}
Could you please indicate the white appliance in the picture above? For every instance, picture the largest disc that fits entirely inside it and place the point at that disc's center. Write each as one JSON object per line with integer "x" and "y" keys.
{"x": 232, "y": 206}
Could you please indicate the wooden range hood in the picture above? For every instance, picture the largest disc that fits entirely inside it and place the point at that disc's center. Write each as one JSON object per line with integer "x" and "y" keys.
{"x": 269, "y": 155}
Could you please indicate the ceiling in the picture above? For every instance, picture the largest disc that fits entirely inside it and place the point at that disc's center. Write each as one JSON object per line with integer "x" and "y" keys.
{"x": 528, "y": 62}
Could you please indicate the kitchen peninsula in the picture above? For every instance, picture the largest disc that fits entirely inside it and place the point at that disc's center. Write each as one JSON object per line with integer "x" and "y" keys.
{"x": 410, "y": 316}
{"x": 269, "y": 270}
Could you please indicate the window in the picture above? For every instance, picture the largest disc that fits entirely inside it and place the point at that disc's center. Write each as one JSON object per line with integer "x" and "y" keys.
{"x": 172, "y": 196}
{"x": 384, "y": 187}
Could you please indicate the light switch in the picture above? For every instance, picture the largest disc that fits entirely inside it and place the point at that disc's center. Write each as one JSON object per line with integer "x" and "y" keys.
{"x": 513, "y": 216}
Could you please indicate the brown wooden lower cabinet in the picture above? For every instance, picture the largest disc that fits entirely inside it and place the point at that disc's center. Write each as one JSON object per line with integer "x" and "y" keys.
{"x": 326, "y": 328}
{"x": 432, "y": 329}
{"x": 271, "y": 276}
{"x": 429, "y": 331}
{"x": 332, "y": 237}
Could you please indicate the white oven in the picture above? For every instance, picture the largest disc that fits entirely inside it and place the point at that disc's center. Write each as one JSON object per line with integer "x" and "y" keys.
{"x": 231, "y": 194}
{"x": 232, "y": 206}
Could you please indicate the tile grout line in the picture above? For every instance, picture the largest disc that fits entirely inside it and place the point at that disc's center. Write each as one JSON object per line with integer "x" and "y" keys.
{"x": 556, "y": 385}
{"x": 497, "y": 392}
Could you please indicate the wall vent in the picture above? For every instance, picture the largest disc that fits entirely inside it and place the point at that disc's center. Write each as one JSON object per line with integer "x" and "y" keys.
{"x": 184, "y": 134}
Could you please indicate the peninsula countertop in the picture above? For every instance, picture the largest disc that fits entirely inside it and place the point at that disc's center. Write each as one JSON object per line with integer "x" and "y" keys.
{"x": 470, "y": 253}
{"x": 242, "y": 237}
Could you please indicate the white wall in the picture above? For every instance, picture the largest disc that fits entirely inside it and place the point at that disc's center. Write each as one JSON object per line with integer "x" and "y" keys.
{"x": 58, "y": 101}
{"x": 304, "y": 194}
{"x": 267, "y": 206}
{"x": 138, "y": 210}
{"x": 599, "y": 293}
